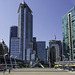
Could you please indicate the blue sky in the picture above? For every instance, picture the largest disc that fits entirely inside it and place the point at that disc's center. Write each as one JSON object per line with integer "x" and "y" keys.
{"x": 47, "y": 17}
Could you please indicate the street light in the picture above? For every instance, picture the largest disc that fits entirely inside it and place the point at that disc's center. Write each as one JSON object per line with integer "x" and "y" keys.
{"x": 59, "y": 60}
{"x": 15, "y": 61}
{"x": 5, "y": 59}
{"x": 49, "y": 63}
{"x": 69, "y": 60}
{"x": 11, "y": 61}
{"x": 63, "y": 59}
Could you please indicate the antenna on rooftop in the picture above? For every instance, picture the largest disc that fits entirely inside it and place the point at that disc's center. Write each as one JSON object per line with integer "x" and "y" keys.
{"x": 55, "y": 37}
{"x": 23, "y": 1}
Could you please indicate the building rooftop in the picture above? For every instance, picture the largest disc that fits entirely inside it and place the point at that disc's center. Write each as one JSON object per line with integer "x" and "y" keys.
{"x": 25, "y": 6}
{"x": 54, "y": 40}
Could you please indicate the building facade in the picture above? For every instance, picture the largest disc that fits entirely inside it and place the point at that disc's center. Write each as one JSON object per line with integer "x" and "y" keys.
{"x": 68, "y": 22}
{"x": 34, "y": 44}
{"x": 13, "y": 34}
{"x": 13, "y": 31}
{"x": 54, "y": 51}
{"x": 25, "y": 29}
{"x": 15, "y": 47}
{"x": 14, "y": 43}
{"x": 41, "y": 52}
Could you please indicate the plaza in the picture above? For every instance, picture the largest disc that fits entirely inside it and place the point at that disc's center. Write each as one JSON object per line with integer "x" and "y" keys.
{"x": 38, "y": 71}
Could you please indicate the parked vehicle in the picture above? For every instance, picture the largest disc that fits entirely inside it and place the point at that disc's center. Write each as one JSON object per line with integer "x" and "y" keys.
{"x": 2, "y": 67}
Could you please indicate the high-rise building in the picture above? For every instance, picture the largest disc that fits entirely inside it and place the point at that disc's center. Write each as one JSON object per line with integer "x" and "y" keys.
{"x": 13, "y": 34}
{"x": 25, "y": 29}
{"x": 68, "y": 22}
{"x": 41, "y": 52}
{"x": 14, "y": 43}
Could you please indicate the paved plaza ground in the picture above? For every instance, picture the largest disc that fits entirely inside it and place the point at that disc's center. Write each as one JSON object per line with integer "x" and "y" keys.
{"x": 38, "y": 71}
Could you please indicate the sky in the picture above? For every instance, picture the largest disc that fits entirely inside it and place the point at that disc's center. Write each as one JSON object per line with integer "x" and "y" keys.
{"x": 47, "y": 18}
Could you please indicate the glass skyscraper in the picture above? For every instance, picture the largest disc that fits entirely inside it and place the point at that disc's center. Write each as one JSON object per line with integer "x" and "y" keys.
{"x": 25, "y": 28}
{"x": 68, "y": 22}
{"x": 13, "y": 34}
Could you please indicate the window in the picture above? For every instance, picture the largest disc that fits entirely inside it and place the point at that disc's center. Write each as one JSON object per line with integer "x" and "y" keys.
{"x": 74, "y": 57}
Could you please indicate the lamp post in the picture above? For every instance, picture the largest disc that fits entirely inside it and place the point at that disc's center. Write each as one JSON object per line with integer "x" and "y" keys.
{"x": 49, "y": 63}
{"x": 59, "y": 60}
{"x": 5, "y": 59}
{"x": 69, "y": 60}
{"x": 11, "y": 61}
{"x": 63, "y": 60}
{"x": 15, "y": 61}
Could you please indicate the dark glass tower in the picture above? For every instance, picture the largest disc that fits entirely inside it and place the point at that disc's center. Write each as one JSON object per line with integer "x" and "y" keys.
{"x": 13, "y": 34}
{"x": 13, "y": 31}
{"x": 25, "y": 28}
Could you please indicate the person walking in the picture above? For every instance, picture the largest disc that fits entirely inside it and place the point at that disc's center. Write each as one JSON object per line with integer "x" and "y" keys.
{"x": 9, "y": 70}
{"x": 3, "y": 71}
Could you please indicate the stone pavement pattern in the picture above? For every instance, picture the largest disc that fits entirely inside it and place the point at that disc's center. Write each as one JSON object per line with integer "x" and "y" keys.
{"x": 37, "y": 71}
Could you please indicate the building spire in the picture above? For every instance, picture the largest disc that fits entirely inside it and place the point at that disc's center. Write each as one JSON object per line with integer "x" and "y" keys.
{"x": 23, "y": 2}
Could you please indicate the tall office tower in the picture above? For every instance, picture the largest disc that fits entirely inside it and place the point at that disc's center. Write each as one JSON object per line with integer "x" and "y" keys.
{"x": 68, "y": 22}
{"x": 13, "y": 33}
{"x": 41, "y": 52}
{"x": 14, "y": 42}
{"x": 25, "y": 28}
{"x": 55, "y": 50}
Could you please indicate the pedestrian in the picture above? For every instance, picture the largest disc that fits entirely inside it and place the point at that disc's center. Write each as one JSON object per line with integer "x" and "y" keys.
{"x": 9, "y": 70}
{"x": 3, "y": 71}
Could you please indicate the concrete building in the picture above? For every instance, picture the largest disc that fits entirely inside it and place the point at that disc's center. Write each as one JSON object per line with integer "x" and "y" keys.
{"x": 68, "y": 22}
{"x": 41, "y": 52}
{"x": 54, "y": 51}
{"x": 25, "y": 29}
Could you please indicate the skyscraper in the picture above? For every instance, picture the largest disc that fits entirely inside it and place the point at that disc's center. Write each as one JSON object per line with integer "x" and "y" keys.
{"x": 13, "y": 34}
{"x": 68, "y": 22}
{"x": 25, "y": 28}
